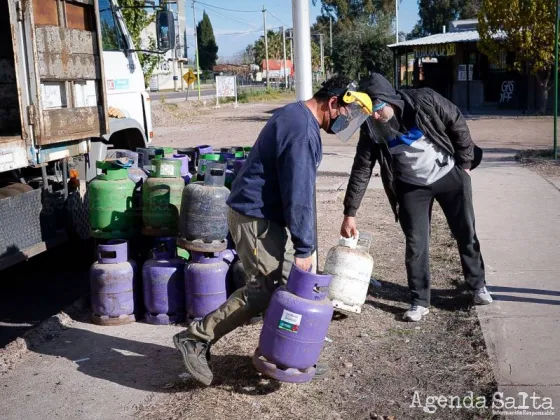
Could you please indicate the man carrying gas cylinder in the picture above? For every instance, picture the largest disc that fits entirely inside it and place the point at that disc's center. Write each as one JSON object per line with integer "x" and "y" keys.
{"x": 425, "y": 153}
{"x": 272, "y": 211}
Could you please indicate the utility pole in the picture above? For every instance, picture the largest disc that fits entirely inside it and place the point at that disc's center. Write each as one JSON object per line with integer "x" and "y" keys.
{"x": 557, "y": 17}
{"x": 284, "y": 48}
{"x": 265, "y": 47}
{"x": 196, "y": 52}
{"x": 302, "y": 35}
{"x": 397, "y": 20}
{"x": 330, "y": 30}
{"x": 322, "y": 56}
{"x": 175, "y": 78}
{"x": 292, "y": 46}
{"x": 292, "y": 53}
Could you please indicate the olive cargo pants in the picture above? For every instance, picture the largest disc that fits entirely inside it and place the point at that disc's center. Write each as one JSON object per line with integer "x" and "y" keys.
{"x": 266, "y": 252}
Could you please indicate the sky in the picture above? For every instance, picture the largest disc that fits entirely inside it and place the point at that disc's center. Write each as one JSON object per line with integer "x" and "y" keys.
{"x": 235, "y": 30}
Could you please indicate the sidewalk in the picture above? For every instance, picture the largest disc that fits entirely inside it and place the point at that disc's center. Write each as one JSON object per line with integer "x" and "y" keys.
{"x": 518, "y": 224}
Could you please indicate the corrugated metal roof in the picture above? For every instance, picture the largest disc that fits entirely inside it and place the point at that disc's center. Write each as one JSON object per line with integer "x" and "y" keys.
{"x": 446, "y": 38}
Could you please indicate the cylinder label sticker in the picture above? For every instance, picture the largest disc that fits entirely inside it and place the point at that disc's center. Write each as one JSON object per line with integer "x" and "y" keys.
{"x": 167, "y": 170}
{"x": 290, "y": 321}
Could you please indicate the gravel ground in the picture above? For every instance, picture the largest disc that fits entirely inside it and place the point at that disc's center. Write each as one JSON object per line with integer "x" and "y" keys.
{"x": 377, "y": 361}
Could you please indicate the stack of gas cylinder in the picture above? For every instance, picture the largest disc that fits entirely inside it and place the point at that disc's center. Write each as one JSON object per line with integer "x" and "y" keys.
{"x": 164, "y": 209}
{"x": 173, "y": 204}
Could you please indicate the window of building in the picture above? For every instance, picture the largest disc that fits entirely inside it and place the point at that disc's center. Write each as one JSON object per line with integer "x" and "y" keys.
{"x": 501, "y": 63}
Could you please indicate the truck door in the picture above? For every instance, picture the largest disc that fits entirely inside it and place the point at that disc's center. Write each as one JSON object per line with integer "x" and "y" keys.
{"x": 68, "y": 98}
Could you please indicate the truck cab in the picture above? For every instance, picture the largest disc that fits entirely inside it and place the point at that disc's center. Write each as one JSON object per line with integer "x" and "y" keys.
{"x": 129, "y": 110}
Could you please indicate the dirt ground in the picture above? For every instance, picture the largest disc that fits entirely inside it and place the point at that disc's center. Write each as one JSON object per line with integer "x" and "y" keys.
{"x": 377, "y": 361}
{"x": 187, "y": 124}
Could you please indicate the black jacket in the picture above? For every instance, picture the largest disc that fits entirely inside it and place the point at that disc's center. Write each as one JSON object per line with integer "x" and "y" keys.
{"x": 435, "y": 116}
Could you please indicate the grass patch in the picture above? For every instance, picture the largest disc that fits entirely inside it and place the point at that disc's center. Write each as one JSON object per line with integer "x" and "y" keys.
{"x": 530, "y": 154}
{"x": 246, "y": 96}
{"x": 541, "y": 161}
{"x": 250, "y": 95}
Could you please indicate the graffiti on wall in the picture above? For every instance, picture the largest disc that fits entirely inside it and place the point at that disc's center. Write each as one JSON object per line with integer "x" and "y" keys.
{"x": 508, "y": 88}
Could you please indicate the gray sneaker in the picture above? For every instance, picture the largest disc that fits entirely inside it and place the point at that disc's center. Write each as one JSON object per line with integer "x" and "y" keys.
{"x": 482, "y": 296}
{"x": 195, "y": 356}
{"x": 415, "y": 313}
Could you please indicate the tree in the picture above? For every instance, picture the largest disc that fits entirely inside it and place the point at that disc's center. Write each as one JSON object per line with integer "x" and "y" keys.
{"x": 137, "y": 19}
{"x": 207, "y": 47}
{"x": 364, "y": 48}
{"x": 523, "y": 27}
{"x": 435, "y": 14}
{"x": 350, "y": 10}
{"x": 276, "y": 52}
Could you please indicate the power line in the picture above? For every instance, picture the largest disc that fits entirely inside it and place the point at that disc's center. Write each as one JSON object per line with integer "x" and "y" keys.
{"x": 228, "y": 17}
{"x": 247, "y": 32}
{"x": 230, "y": 10}
{"x": 272, "y": 14}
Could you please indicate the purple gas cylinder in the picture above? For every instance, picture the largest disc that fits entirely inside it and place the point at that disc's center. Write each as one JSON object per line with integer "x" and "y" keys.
{"x": 112, "y": 281}
{"x": 185, "y": 174}
{"x": 295, "y": 326}
{"x": 164, "y": 288}
{"x": 205, "y": 284}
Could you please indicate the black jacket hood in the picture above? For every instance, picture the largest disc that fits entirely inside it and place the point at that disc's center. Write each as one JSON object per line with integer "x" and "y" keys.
{"x": 378, "y": 87}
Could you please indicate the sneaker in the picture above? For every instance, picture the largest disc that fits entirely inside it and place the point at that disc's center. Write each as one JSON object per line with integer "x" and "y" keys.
{"x": 195, "y": 356}
{"x": 482, "y": 296}
{"x": 415, "y": 313}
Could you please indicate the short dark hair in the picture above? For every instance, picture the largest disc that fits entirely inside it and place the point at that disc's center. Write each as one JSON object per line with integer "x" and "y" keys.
{"x": 335, "y": 86}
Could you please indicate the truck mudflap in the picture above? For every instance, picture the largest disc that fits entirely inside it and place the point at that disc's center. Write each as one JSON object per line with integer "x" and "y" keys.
{"x": 68, "y": 96}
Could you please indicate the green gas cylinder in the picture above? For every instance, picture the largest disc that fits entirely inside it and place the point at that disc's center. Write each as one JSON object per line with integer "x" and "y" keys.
{"x": 202, "y": 163}
{"x": 111, "y": 212}
{"x": 161, "y": 195}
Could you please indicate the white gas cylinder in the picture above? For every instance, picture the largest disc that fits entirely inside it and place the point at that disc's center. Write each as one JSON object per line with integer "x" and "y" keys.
{"x": 351, "y": 268}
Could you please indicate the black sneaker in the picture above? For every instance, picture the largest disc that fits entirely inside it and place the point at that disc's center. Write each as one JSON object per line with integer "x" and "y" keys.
{"x": 195, "y": 357}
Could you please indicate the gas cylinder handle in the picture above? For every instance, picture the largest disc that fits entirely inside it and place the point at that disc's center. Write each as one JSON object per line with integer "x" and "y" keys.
{"x": 351, "y": 243}
{"x": 114, "y": 252}
{"x": 215, "y": 175}
{"x": 104, "y": 165}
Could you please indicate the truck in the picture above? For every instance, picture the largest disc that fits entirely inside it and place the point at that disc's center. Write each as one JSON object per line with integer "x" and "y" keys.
{"x": 71, "y": 90}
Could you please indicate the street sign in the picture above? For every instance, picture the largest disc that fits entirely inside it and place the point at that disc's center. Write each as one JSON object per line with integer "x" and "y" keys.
{"x": 189, "y": 77}
{"x": 226, "y": 86}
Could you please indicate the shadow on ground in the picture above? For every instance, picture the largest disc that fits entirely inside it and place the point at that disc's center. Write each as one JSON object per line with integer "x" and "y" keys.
{"x": 456, "y": 299}
{"x": 34, "y": 290}
{"x": 130, "y": 363}
{"x": 148, "y": 366}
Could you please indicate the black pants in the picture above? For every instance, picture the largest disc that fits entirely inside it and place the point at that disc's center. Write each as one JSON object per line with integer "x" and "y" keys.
{"x": 454, "y": 194}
